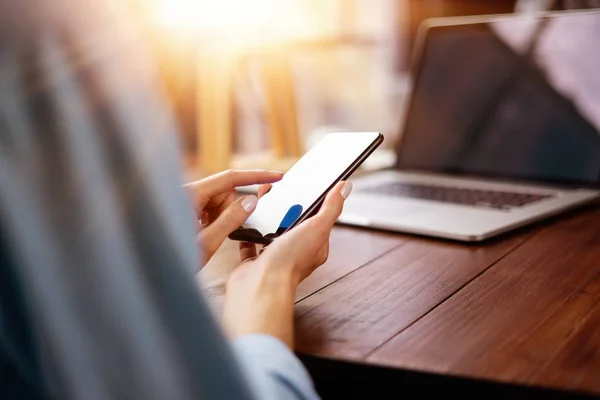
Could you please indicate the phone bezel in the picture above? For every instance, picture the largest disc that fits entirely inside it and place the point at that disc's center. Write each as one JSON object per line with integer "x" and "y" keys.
{"x": 241, "y": 234}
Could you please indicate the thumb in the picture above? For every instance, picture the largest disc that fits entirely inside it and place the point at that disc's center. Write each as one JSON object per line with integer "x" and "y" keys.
{"x": 334, "y": 203}
{"x": 232, "y": 218}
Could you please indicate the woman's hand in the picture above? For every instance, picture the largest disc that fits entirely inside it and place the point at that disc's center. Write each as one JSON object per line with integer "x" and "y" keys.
{"x": 260, "y": 293}
{"x": 218, "y": 211}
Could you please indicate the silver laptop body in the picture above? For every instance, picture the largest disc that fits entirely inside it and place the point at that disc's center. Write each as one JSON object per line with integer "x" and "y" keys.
{"x": 501, "y": 128}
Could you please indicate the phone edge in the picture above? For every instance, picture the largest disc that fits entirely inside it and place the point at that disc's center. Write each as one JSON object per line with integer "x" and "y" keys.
{"x": 345, "y": 175}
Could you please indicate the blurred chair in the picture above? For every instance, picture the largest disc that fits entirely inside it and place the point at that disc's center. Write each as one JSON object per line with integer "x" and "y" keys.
{"x": 215, "y": 106}
{"x": 215, "y": 111}
{"x": 216, "y": 69}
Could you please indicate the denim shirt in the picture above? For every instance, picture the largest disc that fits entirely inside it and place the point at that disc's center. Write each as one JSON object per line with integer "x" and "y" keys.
{"x": 98, "y": 298}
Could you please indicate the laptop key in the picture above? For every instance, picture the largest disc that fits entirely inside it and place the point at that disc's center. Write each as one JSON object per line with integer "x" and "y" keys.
{"x": 473, "y": 197}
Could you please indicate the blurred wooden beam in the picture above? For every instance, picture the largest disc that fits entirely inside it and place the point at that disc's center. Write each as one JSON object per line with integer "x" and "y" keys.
{"x": 282, "y": 118}
{"x": 214, "y": 110}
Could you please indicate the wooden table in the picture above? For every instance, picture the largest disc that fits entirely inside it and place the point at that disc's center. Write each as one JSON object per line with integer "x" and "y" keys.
{"x": 521, "y": 309}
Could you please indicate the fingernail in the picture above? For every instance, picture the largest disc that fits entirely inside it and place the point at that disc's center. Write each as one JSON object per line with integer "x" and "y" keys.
{"x": 346, "y": 190}
{"x": 276, "y": 172}
{"x": 249, "y": 203}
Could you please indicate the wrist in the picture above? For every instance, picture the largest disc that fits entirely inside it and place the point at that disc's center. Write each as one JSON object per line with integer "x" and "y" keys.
{"x": 280, "y": 268}
{"x": 260, "y": 299}
{"x": 280, "y": 274}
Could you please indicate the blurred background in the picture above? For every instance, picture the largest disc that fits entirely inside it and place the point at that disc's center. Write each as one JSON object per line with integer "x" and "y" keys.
{"x": 254, "y": 83}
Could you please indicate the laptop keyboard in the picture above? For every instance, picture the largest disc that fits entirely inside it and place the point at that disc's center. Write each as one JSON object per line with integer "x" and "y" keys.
{"x": 472, "y": 197}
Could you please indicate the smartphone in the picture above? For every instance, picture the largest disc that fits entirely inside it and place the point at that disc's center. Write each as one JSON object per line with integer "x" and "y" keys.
{"x": 301, "y": 192}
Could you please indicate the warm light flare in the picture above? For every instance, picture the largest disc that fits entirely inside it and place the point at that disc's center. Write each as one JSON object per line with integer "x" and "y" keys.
{"x": 216, "y": 14}
{"x": 246, "y": 22}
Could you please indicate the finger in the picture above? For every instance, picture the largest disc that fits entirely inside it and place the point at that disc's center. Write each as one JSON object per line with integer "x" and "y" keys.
{"x": 220, "y": 208}
{"x": 247, "y": 251}
{"x": 221, "y": 198}
{"x": 227, "y": 201}
{"x": 262, "y": 249}
{"x": 231, "y": 219}
{"x": 199, "y": 201}
{"x": 225, "y": 181}
{"x": 204, "y": 219}
{"x": 264, "y": 189}
{"x": 334, "y": 203}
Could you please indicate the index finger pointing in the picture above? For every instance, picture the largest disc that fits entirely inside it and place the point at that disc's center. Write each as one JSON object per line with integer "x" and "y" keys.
{"x": 264, "y": 189}
{"x": 231, "y": 179}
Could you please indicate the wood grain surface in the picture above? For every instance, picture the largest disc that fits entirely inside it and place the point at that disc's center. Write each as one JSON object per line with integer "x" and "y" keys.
{"x": 523, "y": 309}
{"x": 367, "y": 307}
{"x": 520, "y": 309}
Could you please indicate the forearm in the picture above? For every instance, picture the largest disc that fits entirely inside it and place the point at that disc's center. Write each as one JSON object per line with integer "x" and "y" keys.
{"x": 261, "y": 305}
{"x": 258, "y": 314}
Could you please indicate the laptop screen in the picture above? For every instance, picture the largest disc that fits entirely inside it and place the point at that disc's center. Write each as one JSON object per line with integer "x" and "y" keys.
{"x": 516, "y": 98}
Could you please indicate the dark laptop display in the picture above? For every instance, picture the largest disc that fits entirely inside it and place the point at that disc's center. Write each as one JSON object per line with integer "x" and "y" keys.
{"x": 516, "y": 98}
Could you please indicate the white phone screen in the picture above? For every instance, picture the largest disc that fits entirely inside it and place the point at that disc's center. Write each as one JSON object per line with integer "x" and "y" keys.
{"x": 308, "y": 179}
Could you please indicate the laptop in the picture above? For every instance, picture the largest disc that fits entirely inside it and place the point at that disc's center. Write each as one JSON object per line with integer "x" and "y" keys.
{"x": 502, "y": 128}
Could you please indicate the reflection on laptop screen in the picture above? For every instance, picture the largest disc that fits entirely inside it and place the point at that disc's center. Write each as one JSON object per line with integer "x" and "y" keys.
{"x": 518, "y": 97}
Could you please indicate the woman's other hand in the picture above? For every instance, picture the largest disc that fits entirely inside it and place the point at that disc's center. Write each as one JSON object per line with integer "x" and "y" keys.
{"x": 218, "y": 211}
{"x": 260, "y": 292}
